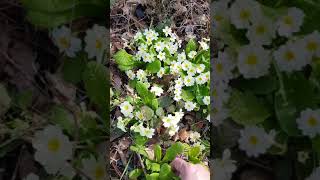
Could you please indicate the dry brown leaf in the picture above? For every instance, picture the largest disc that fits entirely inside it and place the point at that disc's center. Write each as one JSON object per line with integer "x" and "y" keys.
{"x": 183, "y": 134}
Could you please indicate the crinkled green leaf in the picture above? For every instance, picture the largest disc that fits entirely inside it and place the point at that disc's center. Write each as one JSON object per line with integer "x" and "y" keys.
{"x": 187, "y": 95}
{"x": 191, "y": 46}
{"x": 246, "y": 108}
{"x": 73, "y": 68}
{"x": 173, "y": 151}
{"x": 165, "y": 172}
{"x": 134, "y": 174}
{"x": 96, "y": 84}
{"x": 153, "y": 176}
{"x": 157, "y": 152}
{"x": 61, "y": 117}
{"x": 262, "y": 85}
{"x": 147, "y": 96}
{"x": 148, "y": 113}
{"x": 154, "y": 66}
{"x": 124, "y": 60}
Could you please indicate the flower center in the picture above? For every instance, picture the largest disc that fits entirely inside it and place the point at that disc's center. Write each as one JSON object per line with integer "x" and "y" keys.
{"x": 289, "y": 56}
{"x": 65, "y": 43}
{"x": 253, "y": 140}
{"x": 54, "y": 145}
{"x": 252, "y": 60}
{"x": 219, "y": 67}
{"x": 260, "y": 29}
{"x": 312, "y": 46}
{"x": 312, "y": 121}
{"x": 245, "y": 14}
{"x": 288, "y": 20}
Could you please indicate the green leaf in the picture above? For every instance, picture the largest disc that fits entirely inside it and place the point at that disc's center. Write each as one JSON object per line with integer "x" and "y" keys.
{"x": 147, "y": 96}
{"x": 96, "y": 84}
{"x": 165, "y": 101}
{"x": 194, "y": 153}
{"x": 140, "y": 140}
{"x": 154, "y": 66}
{"x": 73, "y": 68}
{"x": 134, "y": 174}
{"x": 124, "y": 60}
{"x": 173, "y": 151}
{"x": 155, "y": 167}
{"x": 153, "y": 176}
{"x": 247, "y": 109}
{"x": 62, "y": 118}
{"x": 187, "y": 95}
{"x": 139, "y": 150}
{"x": 165, "y": 172}
{"x": 286, "y": 115}
{"x": 191, "y": 46}
{"x": 316, "y": 144}
{"x": 262, "y": 85}
{"x": 157, "y": 152}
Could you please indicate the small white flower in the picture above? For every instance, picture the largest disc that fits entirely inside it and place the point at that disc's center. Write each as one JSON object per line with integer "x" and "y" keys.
{"x": 31, "y": 176}
{"x": 161, "y": 56}
{"x": 200, "y": 68}
{"x": 161, "y": 72}
{"x": 201, "y": 79}
{"x": 138, "y": 36}
{"x": 186, "y": 65}
{"x": 291, "y": 22}
{"x": 309, "y": 122}
{"x": 243, "y": 11}
{"x": 167, "y": 31}
{"x": 96, "y": 42}
{"x": 204, "y": 45}
{"x": 223, "y": 67}
{"x": 311, "y": 43}
{"x": 126, "y": 109}
{"x": 181, "y": 57}
{"x": 156, "y": 90}
{"x": 192, "y": 71}
{"x": 253, "y": 61}
{"x": 194, "y": 136}
{"x": 173, "y": 37}
{"x": 147, "y": 132}
{"x": 173, "y": 130}
{"x": 208, "y": 118}
{"x": 141, "y": 75}
{"x": 178, "y": 83}
{"x": 53, "y": 148}
{"x": 148, "y": 57}
{"x": 206, "y": 100}
{"x": 224, "y": 167}
{"x": 139, "y": 115}
{"x": 291, "y": 57}
{"x": 95, "y": 169}
{"x": 172, "y": 47}
{"x": 159, "y": 46}
{"x": 66, "y": 42}
{"x": 220, "y": 12}
{"x": 219, "y": 114}
{"x": 122, "y": 123}
{"x": 130, "y": 74}
{"x": 189, "y": 81}
{"x": 168, "y": 121}
{"x": 262, "y": 31}
{"x": 314, "y": 175}
{"x": 175, "y": 67}
{"x": 254, "y": 140}
{"x": 189, "y": 105}
{"x": 303, "y": 156}
{"x": 192, "y": 54}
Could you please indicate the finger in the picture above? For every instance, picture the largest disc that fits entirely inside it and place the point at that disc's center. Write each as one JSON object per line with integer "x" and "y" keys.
{"x": 180, "y": 166}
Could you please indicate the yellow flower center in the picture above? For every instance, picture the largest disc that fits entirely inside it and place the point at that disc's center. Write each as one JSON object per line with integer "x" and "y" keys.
{"x": 312, "y": 121}
{"x": 65, "y": 43}
{"x": 260, "y": 29}
{"x": 253, "y": 140}
{"x": 252, "y": 60}
{"x": 98, "y": 44}
{"x": 289, "y": 56}
{"x": 99, "y": 172}
{"x": 126, "y": 107}
{"x": 288, "y": 20}
{"x": 54, "y": 145}
{"x": 312, "y": 46}
{"x": 245, "y": 14}
{"x": 219, "y": 67}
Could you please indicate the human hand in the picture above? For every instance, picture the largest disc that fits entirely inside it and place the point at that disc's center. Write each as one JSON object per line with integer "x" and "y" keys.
{"x": 188, "y": 171}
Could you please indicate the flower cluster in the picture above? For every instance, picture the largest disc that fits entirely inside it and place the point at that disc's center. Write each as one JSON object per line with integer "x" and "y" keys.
{"x": 68, "y": 43}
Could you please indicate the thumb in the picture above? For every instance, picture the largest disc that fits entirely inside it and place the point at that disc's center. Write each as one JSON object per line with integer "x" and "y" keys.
{"x": 180, "y": 166}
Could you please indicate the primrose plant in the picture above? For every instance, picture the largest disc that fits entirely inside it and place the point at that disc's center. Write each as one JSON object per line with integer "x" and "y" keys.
{"x": 167, "y": 81}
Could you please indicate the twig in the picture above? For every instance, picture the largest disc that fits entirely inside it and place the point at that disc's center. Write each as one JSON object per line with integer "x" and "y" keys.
{"x": 142, "y": 165}
{"x": 126, "y": 168}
